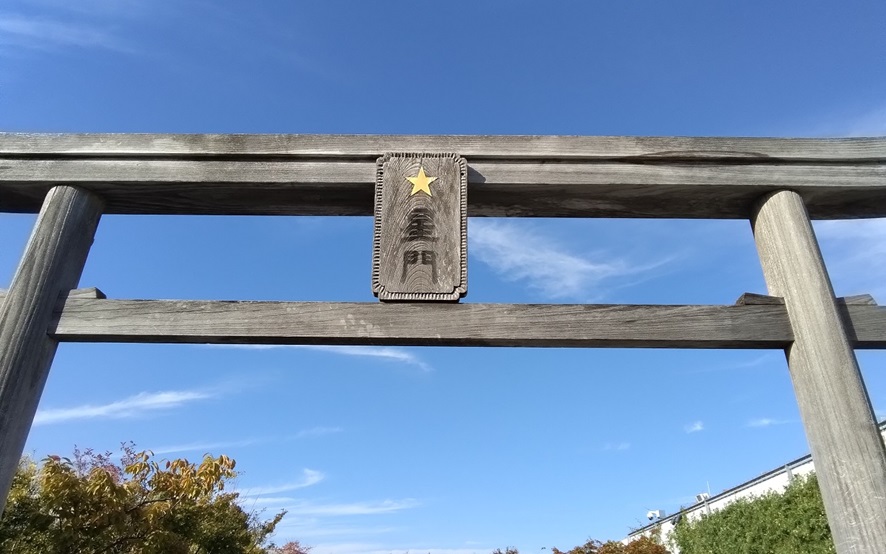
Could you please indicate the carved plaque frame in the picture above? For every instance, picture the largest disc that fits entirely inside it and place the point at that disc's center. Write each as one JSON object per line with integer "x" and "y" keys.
{"x": 440, "y": 219}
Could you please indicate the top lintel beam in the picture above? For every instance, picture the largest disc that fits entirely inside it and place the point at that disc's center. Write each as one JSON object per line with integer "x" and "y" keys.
{"x": 514, "y": 147}
{"x": 512, "y": 176}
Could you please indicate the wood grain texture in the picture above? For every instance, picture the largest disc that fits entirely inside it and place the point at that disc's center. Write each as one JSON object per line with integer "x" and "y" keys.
{"x": 559, "y": 325}
{"x": 86, "y": 292}
{"x": 84, "y": 319}
{"x": 50, "y": 267}
{"x": 749, "y": 298}
{"x": 849, "y": 455}
{"x": 369, "y": 147}
{"x": 420, "y": 236}
{"x": 508, "y": 176}
{"x": 601, "y": 326}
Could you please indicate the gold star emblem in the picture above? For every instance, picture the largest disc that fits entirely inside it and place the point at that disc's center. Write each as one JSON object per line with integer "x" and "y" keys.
{"x": 421, "y": 182}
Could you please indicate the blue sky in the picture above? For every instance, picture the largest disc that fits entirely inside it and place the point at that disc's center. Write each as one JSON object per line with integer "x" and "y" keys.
{"x": 443, "y": 450}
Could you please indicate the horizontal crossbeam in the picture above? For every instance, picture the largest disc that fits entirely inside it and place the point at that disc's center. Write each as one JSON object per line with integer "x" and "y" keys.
{"x": 508, "y": 176}
{"x": 517, "y": 147}
{"x": 745, "y": 326}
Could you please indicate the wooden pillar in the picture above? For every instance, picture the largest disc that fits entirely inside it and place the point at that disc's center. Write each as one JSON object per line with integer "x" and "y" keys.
{"x": 50, "y": 267}
{"x": 849, "y": 456}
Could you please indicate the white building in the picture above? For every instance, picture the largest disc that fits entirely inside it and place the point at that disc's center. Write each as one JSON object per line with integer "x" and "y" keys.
{"x": 775, "y": 480}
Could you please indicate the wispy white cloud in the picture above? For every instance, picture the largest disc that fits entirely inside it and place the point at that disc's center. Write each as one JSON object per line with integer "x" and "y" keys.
{"x": 388, "y": 353}
{"x": 371, "y": 548}
{"x": 349, "y": 548}
{"x": 309, "y": 477}
{"x": 208, "y": 446}
{"x": 855, "y": 251}
{"x": 869, "y": 124}
{"x": 95, "y": 8}
{"x": 351, "y": 509}
{"x": 694, "y": 427}
{"x": 854, "y": 230}
{"x": 311, "y": 509}
{"x": 302, "y": 528}
{"x": 317, "y": 432}
{"x": 767, "y": 422}
{"x": 617, "y": 446}
{"x": 382, "y": 352}
{"x": 133, "y": 406}
{"x": 758, "y": 361}
{"x": 38, "y": 33}
{"x": 273, "y": 501}
{"x": 519, "y": 253}
{"x": 205, "y": 446}
{"x": 842, "y": 121}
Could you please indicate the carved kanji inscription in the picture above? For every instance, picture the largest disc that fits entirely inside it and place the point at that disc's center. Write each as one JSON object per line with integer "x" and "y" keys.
{"x": 420, "y": 242}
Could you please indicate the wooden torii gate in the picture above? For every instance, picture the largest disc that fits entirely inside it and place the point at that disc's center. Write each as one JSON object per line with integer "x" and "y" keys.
{"x": 778, "y": 184}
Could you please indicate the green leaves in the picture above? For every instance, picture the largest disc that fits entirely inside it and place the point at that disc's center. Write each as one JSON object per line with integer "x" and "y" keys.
{"x": 792, "y": 522}
{"x": 643, "y": 545}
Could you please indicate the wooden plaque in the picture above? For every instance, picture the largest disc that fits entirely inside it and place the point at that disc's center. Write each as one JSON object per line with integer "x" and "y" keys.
{"x": 421, "y": 228}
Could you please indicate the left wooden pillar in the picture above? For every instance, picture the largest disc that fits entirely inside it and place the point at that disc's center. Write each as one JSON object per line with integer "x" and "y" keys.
{"x": 50, "y": 267}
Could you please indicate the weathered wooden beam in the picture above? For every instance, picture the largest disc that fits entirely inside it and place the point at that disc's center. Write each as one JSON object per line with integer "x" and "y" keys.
{"x": 749, "y": 298}
{"x": 849, "y": 455}
{"x": 508, "y": 176}
{"x": 87, "y": 292}
{"x": 86, "y": 317}
{"x": 494, "y": 189}
{"x": 368, "y": 147}
{"x": 51, "y": 266}
{"x": 557, "y": 325}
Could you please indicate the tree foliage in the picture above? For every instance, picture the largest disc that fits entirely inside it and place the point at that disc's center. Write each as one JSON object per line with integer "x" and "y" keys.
{"x": 643, "y": 545}
{"x": 90, "y": 504}
{"x": 792, "y": 522}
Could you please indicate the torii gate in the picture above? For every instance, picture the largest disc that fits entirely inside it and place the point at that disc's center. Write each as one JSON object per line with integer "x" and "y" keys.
{"x": 778, "y": 184}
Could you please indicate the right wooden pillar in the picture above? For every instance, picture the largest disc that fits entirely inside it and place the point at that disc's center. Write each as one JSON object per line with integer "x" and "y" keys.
{"x": 846, "y": 446}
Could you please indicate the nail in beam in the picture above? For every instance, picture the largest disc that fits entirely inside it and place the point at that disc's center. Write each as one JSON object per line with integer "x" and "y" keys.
{"x": 51, "y": 266}
{"x": 849, "y": 456}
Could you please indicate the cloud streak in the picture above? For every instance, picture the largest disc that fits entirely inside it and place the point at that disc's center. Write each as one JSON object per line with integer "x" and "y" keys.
{"x": 365, "y": 548}
{"x": 870, "y": 124}
{"x": 758, "y": 361}
{"x": 380, "y": 352}
{"x": 204, "y": 446}
{"x": 520, "y": 254}
{"x": 36, "y": 33}
{"x": 138, "y": 405}
{"x": 387, "y": 353}
{"x": 308, "y": 478}
{"x": 856, "y": 254}
{"x": 311, "y": 509}
{"x": 767, "y": 422}
{"x": 694, "y": 427}
{"x": 312, "y": 527}
{"x": 317, "y": 432}
{"x": 352, "y": 508}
